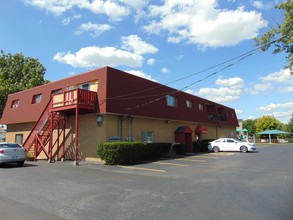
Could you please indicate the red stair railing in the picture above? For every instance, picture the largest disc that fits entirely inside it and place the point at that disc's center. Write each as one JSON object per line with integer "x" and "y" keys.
{"x": 30, "y": 140}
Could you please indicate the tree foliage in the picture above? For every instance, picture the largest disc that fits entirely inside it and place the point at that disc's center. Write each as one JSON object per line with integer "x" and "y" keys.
{"x": 249, "y": 124}
{"x": 282, "y": 33}
{"x": 290, "y": 124}
{"x": 18, "y": 73}
{"x": 267, "y": 122}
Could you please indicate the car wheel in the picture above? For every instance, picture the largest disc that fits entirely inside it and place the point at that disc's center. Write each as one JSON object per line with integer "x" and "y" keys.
{"x": 20, "y": 164}
{"x": 216, "y": 149}
{"x": 243, "y": 149}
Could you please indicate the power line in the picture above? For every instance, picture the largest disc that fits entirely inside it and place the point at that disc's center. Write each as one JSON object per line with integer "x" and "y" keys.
{"x": 196, "y": 73}
{"x": 239, "y": 57}
{"x": 193, "y": 83}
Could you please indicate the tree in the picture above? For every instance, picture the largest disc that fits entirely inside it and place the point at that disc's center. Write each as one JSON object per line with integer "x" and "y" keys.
{"x": 18, "y": 73}
{"x": 267, "y": 122}
{"x": 282, "y": 35}
{"x": 290, "y": 124}
{"x": 249, "y": 124}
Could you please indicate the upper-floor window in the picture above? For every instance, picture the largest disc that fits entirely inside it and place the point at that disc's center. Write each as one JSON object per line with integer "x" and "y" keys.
{"x": 56, "y": 91}
{"x": 70, "y": 88}
{"x": 85, "y": 86}
{"x": 15, "y": 103}
{"x": 171, "y": 100}
{"x": 200, "y": 107}
{"x": 189, "y": 104}
{"x": 37, "y": 99}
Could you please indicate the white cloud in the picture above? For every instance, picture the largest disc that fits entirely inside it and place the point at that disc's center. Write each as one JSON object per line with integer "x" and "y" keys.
{"x": 272, "y": 107}
{"x": 250, "y": 117}
{"x": 179, "y": 57}
{"x": 220, "y": 95}
{"x": 238, "y": 112}
{"x": 283, "y": 76}
{"x": 151, "y": 61}
{"x": 266, "y": 83}
{"x": 66, "y": 21}
{"x": 56, "y": 7}
{"x": 165, "y": 70}
{"x": 191, "y": 91}
{"x": 234, "y": 82}
{"x": 263, "y": 5}
{"x": 113, "y": 10}
{"x": 260, "y": 88}
{"x": 141, "y": 74}
{"x": 258, "y": 4}
{"x": 89, "y": 57}
{"x": 135, "y": 4}
{"x": 229, "y": 90}
{"x": 137, "y": 45}
{"x": 94, "y": 29}
{"x": 201, "y": 22}
{"x": 281, "y": 111}
{"x": 286, "y": 89}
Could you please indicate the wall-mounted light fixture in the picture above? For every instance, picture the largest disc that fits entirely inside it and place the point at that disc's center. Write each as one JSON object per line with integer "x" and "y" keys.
{"x": 100, "y": 120}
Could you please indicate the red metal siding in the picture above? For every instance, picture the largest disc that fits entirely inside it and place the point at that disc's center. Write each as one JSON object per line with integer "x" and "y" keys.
{"x": 117, "y": 93}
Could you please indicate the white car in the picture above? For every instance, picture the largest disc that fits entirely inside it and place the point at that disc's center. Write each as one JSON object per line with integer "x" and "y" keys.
{"x": 12, "y": 153}
{"x": 230, "y": 144}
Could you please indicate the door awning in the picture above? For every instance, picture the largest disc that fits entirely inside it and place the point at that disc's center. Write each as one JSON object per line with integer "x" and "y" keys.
{"x": 201, "y": 130}
{"x": 183, "y": 129}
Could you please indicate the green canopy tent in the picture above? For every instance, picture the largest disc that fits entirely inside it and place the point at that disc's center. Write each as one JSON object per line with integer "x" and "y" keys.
{"x": 270, "y": 132}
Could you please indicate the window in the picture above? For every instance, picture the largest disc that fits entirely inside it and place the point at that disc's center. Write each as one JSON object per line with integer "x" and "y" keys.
{"x": 70, "y": 88}
{"x": 171, "y": 100}
{"x": 85, "y": 86}
{"x": 189, "y": 104}
{"x": 56, "y": 91}
{"x": 15, "y": 103}
{"x": 37, "y": 99}
{"x": 147, "y": 136}
{"x": 19, "y": 139}
{"x": 200, "y": 107}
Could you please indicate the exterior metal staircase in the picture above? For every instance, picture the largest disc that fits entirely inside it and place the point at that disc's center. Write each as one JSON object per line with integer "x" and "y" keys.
{"x": 40, "y": 137}
{"x": 53, "y": 120}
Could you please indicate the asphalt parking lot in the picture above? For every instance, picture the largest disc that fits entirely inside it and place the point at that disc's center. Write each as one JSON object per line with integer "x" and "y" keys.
{"x": 200, "y": 186}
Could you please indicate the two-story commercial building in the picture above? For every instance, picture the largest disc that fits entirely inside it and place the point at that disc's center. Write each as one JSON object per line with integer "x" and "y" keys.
{"x": 70, "y": 117}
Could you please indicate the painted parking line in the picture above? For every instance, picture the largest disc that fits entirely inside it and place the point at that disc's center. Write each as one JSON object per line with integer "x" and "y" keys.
{"x": 193, "y": 160}
{"x": 173, "y": 164}
{"x": 203, "y": 156}
{"x": 225, "y": 153}
{"x": 141, "y": 168}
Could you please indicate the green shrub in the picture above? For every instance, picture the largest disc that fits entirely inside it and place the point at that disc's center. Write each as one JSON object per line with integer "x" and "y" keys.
{"x": 180, "y": 149}
{"x": 201, "y": 146}
{"x": 124, "y": 153}
{"x": 114, "y": 153}
{"x": 155, "y": 150}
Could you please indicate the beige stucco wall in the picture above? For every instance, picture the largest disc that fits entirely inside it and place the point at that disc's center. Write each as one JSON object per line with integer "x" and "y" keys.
{"x": 14, "y": 129}
{"x": 91, "y": 133}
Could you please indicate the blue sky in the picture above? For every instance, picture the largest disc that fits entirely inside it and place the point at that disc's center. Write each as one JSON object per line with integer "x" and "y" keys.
{"x": 161, "y": 40}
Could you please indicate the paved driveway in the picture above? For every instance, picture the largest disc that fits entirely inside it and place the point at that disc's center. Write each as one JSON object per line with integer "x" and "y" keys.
{"x": 207, "y": 186}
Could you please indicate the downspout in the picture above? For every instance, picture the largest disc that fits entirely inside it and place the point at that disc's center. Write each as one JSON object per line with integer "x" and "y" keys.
{"x": 130, "y": 129}
{"x": 120, "y": 119}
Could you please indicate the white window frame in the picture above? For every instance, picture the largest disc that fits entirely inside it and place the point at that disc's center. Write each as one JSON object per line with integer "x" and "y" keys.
{"x": 172, "y": 100}
{"x": 147, "y": 136}
{"x": 189, "y": 104}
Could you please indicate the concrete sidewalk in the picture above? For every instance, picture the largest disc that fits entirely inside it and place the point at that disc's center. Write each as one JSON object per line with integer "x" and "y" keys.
{"x": 13, "y": 210}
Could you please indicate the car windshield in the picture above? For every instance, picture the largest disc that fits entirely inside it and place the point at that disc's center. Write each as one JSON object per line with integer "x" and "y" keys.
{"x": 9, "y": 146}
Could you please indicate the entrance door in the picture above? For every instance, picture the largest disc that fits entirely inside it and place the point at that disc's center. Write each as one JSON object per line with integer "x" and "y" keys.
{"x": 188, "y": 142}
